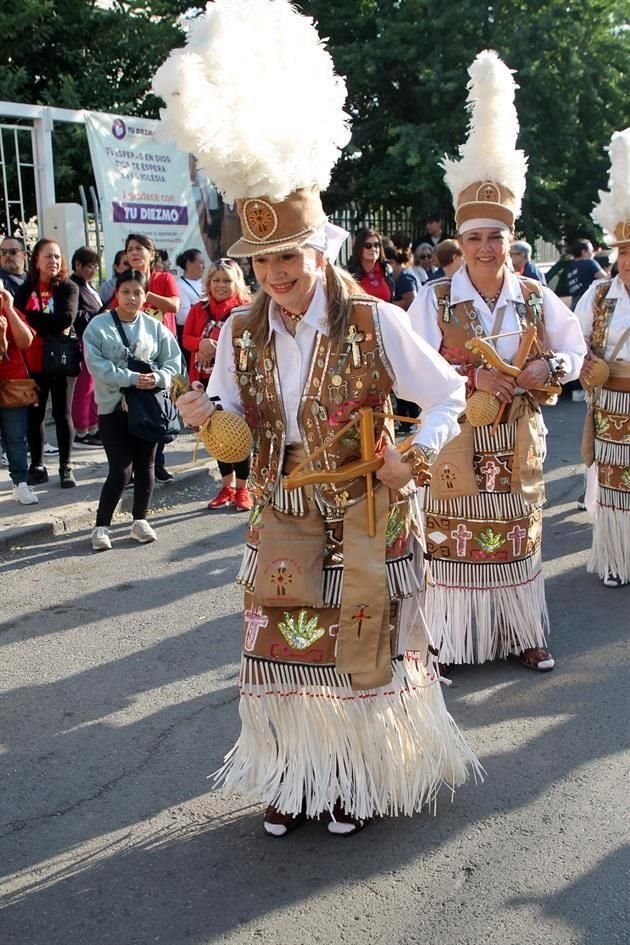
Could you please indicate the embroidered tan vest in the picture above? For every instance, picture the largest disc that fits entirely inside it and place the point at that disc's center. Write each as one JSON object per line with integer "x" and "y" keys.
{"x": 456, "y": 322}
{"x": 339, "y": 381}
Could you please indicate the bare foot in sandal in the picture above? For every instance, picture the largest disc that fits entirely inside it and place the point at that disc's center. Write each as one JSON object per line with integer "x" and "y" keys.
{"x": 277, "y": 824}
{"x": 537, "y": 658}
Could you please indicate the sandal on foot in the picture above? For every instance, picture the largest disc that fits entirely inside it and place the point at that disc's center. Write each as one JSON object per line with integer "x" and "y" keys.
{"x": 536, "y": 658}
{"x": 612, "y": 580}
{"x": 277, "y": 824}
{"x": 343, "y": 825}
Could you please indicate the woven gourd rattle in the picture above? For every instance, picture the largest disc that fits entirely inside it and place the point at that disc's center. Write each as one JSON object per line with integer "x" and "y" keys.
{"x": 600, "y": 373}
{"x": 225, "y": 435}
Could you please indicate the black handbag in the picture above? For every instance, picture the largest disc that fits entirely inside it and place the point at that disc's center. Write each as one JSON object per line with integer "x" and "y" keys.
{"x": 62, "y": 356}
{"x": 151, "y": 414}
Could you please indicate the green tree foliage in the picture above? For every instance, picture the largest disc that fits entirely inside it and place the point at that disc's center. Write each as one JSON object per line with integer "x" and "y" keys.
{"x": 405, "y": 62}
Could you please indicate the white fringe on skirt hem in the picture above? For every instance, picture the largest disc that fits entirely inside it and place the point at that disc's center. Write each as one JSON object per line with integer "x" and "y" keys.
{"x": 474, "y": 618}
{"x": 308, "y": 738}
{"x": 610, "y": 550}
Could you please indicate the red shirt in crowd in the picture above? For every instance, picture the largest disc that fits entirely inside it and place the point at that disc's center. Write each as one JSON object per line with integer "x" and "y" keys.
{"x": 374, "y": 283}
{"x": 12, "y": 364}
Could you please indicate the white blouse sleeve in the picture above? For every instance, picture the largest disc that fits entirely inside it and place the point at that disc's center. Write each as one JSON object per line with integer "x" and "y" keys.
{"x": 423, "y": 377}
{"x": 584, "y": 311}
{"x": 563, "y": 334}
{"x": 423, "y": 314}
{"x": 222, "y": 383}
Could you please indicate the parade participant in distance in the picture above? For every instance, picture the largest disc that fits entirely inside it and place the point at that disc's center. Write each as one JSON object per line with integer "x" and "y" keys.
{"x": 225, "y": 290}
{"x": 604, "y": 314}
{"x": 484, "y": 506}
{"x": 334, "y": 719}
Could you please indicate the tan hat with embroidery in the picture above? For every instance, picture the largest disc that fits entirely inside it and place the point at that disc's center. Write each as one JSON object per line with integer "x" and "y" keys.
{"x": 488, "y": 180}
{"x": 267, "y": 134}
{"x": 612, "y": 212}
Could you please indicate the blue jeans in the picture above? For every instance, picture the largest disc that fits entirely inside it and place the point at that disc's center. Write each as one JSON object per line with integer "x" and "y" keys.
{"x": 13, "y": 438}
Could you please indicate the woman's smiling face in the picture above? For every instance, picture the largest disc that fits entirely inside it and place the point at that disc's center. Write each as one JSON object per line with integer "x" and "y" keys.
{"x": 289, "y": 278}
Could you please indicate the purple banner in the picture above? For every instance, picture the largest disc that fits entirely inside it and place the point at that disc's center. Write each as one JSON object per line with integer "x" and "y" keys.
{"x": 150, "y": 213}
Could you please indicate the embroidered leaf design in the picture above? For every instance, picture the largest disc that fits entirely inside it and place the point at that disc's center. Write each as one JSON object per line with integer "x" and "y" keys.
{"x": 600, "y": 422}
{"x": 395, "y": 526}
{"x": 302, "y": 632}
{"x": 625, "y": 478}
{"x": 490, "y": 541}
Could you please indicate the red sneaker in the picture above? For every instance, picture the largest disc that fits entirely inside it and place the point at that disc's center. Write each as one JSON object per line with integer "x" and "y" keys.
{"x": 223, "y": 498}
{"x": 242, "y": 500}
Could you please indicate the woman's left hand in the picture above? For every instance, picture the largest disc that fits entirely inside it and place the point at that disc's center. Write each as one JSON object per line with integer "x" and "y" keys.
{"x": 147, "y": 382}
{"x": 394, "y": 473}
{"x": 534, "y": 376}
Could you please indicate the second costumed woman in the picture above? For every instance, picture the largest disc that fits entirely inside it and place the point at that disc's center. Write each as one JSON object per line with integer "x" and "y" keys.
{"x": 341, "y": 707}
{"x": 484, "y": 505}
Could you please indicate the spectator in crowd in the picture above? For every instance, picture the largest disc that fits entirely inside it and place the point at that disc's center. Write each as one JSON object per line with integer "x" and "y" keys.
{"x": 423, "y": 259}
{"x": 161, "y": 261}
{"x": 106, "y": 358}
{"x": 449, "y": 257}
{"x": 161, "y": 302}
{"x": 107, "y": 289}
{"x": 15, "y": 337}
{"x": 369, "y": 267}
{"x": 12, "y": 263}
{"x": 434, "y": 231}
{"x": 84, "y": 412}
{"x": 521, "y": 256}
{"x": 582, "y": 271}
{"x": 225, "y": 290}
{"x": 49, "y": 301}
{"x": 190, "y": 285}
{"x": 406, "y": 283}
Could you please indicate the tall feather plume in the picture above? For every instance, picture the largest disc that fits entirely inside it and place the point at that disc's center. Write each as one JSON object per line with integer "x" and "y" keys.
{"x": 255, "y": 97}
{"x": 490, "y": 151}
{"x": 614, "y": 204}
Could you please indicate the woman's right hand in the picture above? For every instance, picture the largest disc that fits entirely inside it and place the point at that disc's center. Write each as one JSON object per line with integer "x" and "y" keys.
{"x": 586, "y": 374}
{"x": 493, "y": 382}
{"x": 194, "y": 407}
{"x": 207, "y": 348}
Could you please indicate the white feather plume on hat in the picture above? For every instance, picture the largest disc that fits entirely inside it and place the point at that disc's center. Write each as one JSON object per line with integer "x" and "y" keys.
{"x": 490, "y": 151}
{"x": 614, "y": 204}
{"x": 255, "y": 97}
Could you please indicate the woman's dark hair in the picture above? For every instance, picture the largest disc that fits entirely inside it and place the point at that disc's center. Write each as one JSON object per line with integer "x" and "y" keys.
{"x": 84, "y": 256}
{"x": 32, "y": 276}
{"x": 132, "y": 275}
{"x": 145, "y": 241}
{"x": 119, "y": 255}
{"x": 188, "y": 256}
{"x": 362, "y": 235}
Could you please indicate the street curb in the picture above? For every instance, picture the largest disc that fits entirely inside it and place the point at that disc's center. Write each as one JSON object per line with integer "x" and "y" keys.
{"x": 81, "y": 515}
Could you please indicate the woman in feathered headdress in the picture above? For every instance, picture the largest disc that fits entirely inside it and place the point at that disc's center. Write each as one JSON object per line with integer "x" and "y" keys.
{"x": 333, "y": 719}
{"x": 604, "y": 314}
{"x": 514, "y": 341}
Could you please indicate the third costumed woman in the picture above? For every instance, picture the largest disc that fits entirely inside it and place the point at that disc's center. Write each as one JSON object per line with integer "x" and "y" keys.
{"x": 341, "y": 707}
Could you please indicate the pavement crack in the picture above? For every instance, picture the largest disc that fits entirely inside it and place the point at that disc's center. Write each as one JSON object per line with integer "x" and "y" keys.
{"x": 19, "y": 825}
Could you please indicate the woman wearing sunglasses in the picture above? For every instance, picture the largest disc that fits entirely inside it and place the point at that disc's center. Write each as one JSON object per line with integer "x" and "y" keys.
{"x": 369, "y": 266}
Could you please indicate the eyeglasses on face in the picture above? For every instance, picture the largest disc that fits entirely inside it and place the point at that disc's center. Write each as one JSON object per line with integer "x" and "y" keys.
{"x": 10, "y": 252}
{"x": 372, "y": 244}
{"x": 425, "y": 256}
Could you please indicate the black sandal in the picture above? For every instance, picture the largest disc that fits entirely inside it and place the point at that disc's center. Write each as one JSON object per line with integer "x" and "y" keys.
{"x": 277, "y": 824}
{"x": 342, "y": 824}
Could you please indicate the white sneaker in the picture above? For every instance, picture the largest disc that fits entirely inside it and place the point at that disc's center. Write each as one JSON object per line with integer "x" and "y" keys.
{"x": 23, "y": 494}
{"x": 4, "y": 461}
{"x": 142, "y": 531}
{"x": 50, "y": 450}
{"x": 100, "y": 539}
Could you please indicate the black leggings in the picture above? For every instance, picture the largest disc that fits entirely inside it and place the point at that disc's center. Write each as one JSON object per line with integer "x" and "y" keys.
{"x": 60, "y": 390}
{"x": 241, "y": 469}
{"x": 125, "y": 454}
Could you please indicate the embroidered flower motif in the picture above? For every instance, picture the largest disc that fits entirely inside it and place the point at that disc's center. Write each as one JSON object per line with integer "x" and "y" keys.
{"x": 625, "y": 478}
{"x": 600, "y": 422}
{"x": 300, "y": 632}
{"x": 395, "y": 527}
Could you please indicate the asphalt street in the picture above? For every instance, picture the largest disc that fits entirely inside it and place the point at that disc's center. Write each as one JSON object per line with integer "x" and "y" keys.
{"x": 118, "y": 698}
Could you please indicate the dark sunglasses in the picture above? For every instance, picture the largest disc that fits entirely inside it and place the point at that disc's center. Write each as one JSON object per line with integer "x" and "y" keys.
{"x": 425, "y": 256}
{"x": 10, "y": 252}
{"x": 375, "y": 245}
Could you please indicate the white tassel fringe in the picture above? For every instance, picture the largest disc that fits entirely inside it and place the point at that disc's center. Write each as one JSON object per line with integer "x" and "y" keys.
{"x": 307, "y": 737}
{"x": 610, "y": 550}
{"x": 478, "y": 614}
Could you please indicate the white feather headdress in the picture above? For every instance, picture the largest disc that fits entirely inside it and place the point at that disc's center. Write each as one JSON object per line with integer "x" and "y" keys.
{"x": 490, "y": 152}
{"x": 255, "y": 97}
{"x": 612, "y": 212}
